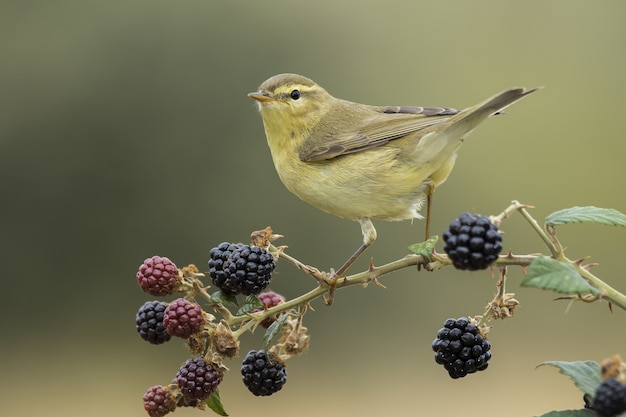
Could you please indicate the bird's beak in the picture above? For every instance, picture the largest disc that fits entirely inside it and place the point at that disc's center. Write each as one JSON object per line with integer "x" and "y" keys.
{"x": 262, "y": 97}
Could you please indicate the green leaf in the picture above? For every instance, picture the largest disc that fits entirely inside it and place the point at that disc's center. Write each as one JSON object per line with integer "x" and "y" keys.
{"x": 273, "y": 331}
{"x": 585, "y": 374}
{"x": 609, "y": 217}
{"x": 223, "y": 298}
{"x": 549, "y": 274}
{"x": 251, "y": 302}
{"x": 424, "y": 248}
{"x": 215, "y": 403}
{"x": 583, "y": 412}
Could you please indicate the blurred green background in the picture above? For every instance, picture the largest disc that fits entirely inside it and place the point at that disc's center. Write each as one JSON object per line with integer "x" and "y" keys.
{"x": 125, "y": 132}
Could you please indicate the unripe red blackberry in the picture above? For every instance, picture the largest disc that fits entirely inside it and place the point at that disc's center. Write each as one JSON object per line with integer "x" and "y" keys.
{"x": 240, "y": 269}
{"x": 461, "y": 348}
{"x": 158, "y": 276}
{"x": 610, "y": 398}
{"x": 149, "y": 322}
{"x": 472, "y": 242}
{"x": 158, "y": 401}
{"x": 198, "y": 379}
{"x": 183, "y": 318}
{"x": 269, "y": 300}
{"x": 262, "y": 373}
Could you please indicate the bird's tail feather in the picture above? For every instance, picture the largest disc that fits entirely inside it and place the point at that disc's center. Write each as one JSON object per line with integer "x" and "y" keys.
{"x": 471, "y": 117}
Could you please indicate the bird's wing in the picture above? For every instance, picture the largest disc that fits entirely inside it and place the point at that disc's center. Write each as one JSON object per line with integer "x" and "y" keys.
{"x": 385, "y": 125}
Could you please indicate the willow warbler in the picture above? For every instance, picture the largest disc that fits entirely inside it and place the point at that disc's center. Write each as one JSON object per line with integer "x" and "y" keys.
{"x": 363, "y": 162}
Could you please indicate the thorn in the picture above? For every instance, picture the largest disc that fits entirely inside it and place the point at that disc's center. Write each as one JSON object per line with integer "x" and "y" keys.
{"x": 522, "y": 206}
{"x": 589, "y": 266}
{"x": 579, "y": 262}
{"x": 378, "y": 284}
{"x": 510, "y": 255}
{"x": 371, "y": 266}
{"x": 611, "y": 307}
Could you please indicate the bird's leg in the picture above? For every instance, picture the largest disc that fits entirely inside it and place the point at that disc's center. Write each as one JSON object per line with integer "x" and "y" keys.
{"x": 429, "y": 202}
{"x": 369, "y": 236}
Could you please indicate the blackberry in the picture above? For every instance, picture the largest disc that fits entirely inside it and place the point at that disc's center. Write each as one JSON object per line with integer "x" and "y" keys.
{"x": 183, "y": 318}
{"x": 472, "y": 242}
{"x": 158, "y": 276}
{"x": 610, "y": 398}
{"x": 262, "y": 373}
{"x": 158, "y": 401}
{"x": 461, "y": 348}
{"x": 240, "y": 269}
{"x": 220, "y": 257}
{"x": 149, "y": 322}
{"x": 198, "y": 379}
{"x": 269, "y": 300}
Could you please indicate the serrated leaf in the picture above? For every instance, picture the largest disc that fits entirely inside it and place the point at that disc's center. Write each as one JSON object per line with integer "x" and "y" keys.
{"x": 585, "y": 374}
{"x": 214, "y": 402}
{"x": 609, "y": 217}
{"x": 583, "y": 412}
{"x": 550, "y": 274}
{"x": 220, "y": 297}
{"x": 425, "y": 248}
{"x": 273, "y": 331}
{"x": 251, "y": 302}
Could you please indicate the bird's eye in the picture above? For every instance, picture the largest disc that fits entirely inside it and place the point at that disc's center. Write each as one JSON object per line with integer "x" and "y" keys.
{"x": 295, "y": 94}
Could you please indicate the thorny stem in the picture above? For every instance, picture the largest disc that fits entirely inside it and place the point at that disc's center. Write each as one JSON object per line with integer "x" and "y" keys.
{"x": 365, "y": 277}
{"x": 607, "y": 292}
{"x": 508, "y": 212}
{"x": 552, "y": 244}
{"x": 244, "y": 328}
{"x": 435, "y": 261}
{"x": 314, "y": 272}
{"x": 556, "y": 249}
{"x": 500, "y": 296}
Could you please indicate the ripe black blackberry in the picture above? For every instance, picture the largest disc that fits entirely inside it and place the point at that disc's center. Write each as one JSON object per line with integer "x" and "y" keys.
{"x": 198, "y": 379}
{"x": 610, "y": 398}
{"x": 472, "y": 242}
{"x": 158, "y": 401}
{"x": 262, "y": 373}
{"x": 158, "y": 276}
{"x": 219, "y": 257}
{"x": 182, "y": 318}
{"x": 461, "y": 348}
{"x": 149, "y": 322}
{"x": 240, "y": 269}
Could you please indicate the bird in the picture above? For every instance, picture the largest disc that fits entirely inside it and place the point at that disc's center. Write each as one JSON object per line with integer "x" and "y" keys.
{"x": 362, "y": 162}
